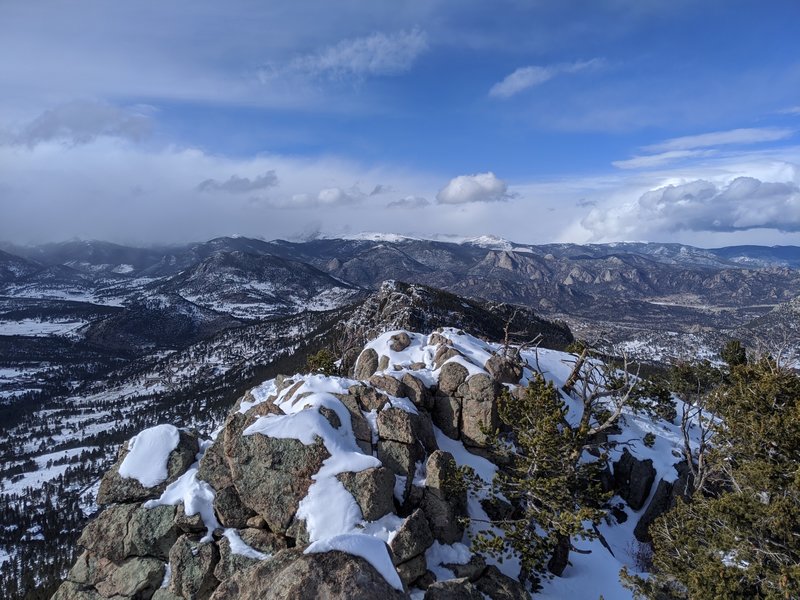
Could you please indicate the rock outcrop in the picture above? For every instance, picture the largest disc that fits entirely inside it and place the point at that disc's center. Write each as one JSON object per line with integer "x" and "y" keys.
{"x": 321, "y": 487}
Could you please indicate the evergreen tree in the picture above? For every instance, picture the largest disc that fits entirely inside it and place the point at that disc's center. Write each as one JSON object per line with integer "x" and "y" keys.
{"x": 553, "y": 492}
{"x": 322, "y": 362}
{"x": 738, "y": 535}
{"x": 554, "y": 468}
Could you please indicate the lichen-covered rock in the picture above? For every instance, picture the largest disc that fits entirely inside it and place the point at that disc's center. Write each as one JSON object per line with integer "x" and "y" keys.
{"x": 443, "y": 354}
{"x": 400, "y": 425}
{"x": 331, "y": 416}
{"x": 446, "y": 415}
{"x": 229, "y": 562}
{"x": 400, "y": 458}
{"x": 134, "y": 577}
{"x": 369, "y": 398}
{"x": 105, "y": 535}
{"x": 290, "y": 575}
{"x": 137, "y": 577}
{"x": 373, "y": 490}
{"x": 479, "y": 413}
{"x": 69, "y": 590}
{"x": 165, "y": 594}
{"x": 417, "y": 392}
{"x": 634, "y": 478}
{"x": 151, "y": 532}
{"x": 230, "y": 510}
{"x": 412, "y": 569}
{"x": 444, "y": 502}
{"x": 115, "y": 488}
{"x": 213, "y": 467}
{"x": 451, "y": 376}
{"x": 192, "y": 564}
{"x": 399, "y": 342}
{"x": 188, "y": 523}
{"x": 453, "y": 589}
{"x": 271, "y": 475}
{"x": 361, "y": 428}
{"x": 389, "y": 384}
{"x": 298, "y": 532}
{"x": 412, "y": 539}
{"x": 504, "y": 369}
{"x": 396, "y": 424}
{"x": 366, "y": 364}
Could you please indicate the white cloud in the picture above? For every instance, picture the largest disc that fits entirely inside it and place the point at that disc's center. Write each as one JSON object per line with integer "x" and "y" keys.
{"x": 657, "y": 160}
{"x": 741, "y": 204}
{"x": 409, "y": 202}
{"x": 527, "y": 77}
{"x": 81, "y": 122}
{"x": 466, "y": 189}
{"x": 792, "y": 110}
{"x": 326, "y": 198}
{"x": 137, "y": 193}
{"x": 377, "y": 54}
{"x": 721, "y": 138}
{"x": 239, "y": 185}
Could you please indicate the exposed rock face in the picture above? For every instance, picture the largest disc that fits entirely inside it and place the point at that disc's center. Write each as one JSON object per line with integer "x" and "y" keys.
{"x": 664, "y": 498}
{"x": 272, "y": 475}
{"x": 633, "y": 479}
{"x": 373, "y": 490}
{"x": 133, "y": 577}
{"x": 193, "y": 565}
{"x": 452, "y": 375}
{"x": 399, "y": 425}
{"x": 291, "y": 575}
{"x": 443, "y": 502}
{"x": 151, "y": 532}
{"x": 412, "y": 539}
{"x": 388, "y": 384}
{"x": 367, "y": 364}
{"x": 478, "y": 409}
{"x": 503, "y": 369}
{"x": 229, "y": 508}
{"x": 399, "y": 342}
{"x": 500, "y": 587}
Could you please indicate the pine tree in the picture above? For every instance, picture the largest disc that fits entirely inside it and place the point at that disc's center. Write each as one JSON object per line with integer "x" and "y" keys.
{"x": 323, "y": 363}
{"x": 555, "y": 494}
{"x": 738, "y": 535}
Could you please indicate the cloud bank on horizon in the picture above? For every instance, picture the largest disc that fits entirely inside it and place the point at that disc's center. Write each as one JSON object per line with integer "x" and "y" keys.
{"x": 540, "y": 123}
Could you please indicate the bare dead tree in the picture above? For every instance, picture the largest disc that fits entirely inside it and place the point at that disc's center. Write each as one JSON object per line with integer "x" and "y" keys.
{"x": 606, "y": 384}
{"x": 695, "y": 416}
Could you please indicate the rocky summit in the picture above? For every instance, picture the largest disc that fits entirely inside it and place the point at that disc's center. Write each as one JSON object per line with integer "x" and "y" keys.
{"x": 337, "y": 487}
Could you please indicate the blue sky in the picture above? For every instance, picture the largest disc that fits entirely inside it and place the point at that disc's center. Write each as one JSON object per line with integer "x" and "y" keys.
{"x": 539, "y": 121}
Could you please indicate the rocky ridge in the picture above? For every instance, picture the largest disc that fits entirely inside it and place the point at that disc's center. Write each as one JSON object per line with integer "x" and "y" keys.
{"x": 337, "y": 487}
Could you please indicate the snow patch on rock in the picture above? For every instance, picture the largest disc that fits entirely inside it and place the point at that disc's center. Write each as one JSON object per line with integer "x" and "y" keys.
{"x": 148, "y": 454}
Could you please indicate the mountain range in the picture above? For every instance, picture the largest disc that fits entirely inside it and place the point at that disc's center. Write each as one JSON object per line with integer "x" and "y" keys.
{"x": 99, "y": 340}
